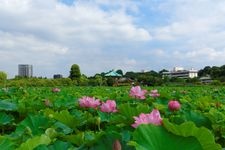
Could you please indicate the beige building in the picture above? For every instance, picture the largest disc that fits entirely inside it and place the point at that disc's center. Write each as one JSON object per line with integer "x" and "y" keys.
{"x": 180, "y": 72}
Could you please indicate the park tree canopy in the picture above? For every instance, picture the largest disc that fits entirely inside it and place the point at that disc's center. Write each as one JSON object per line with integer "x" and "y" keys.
{"x": 75, "y": 72}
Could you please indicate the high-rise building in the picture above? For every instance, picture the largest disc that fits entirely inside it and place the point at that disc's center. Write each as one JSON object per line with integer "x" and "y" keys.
{"x": 25, "y": 70}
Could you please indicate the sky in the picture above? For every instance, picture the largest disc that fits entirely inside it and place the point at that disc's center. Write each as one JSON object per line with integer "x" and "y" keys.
{"x": 100, "y": 35}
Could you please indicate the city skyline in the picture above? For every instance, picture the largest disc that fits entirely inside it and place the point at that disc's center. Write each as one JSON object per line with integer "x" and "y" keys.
{"x": 100, "y": 35}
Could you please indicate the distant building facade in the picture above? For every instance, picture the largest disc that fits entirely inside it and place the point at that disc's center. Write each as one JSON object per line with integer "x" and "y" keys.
{"x": 57, "y": 76}
{"x": 25, "y": 70}
{"x": 180, "y": 72}
{"x": 206, "y": 79}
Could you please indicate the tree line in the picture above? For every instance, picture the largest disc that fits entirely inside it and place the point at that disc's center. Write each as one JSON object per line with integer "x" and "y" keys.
{"x": 216, "y": 73}
{"x": 149, "y": 78}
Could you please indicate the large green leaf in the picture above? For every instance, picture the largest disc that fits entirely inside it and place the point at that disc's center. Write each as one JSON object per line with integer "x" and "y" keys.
{"x": 60, "y": 127}
{"x": 88, "y": 138}
{"x": 6, "y": 144}
{"x": 32, "y": 143}
{"x": 198, "y": 118}
{"x": 33, "y": 125}
{"x": 188, "y": 129}
{"x": 8, "y": 106}
{"x": 65, "y": 102}
{"x": 63, "y": 116}
{"x": 5, "y": 119}
{"x": 185, "y": 136}
{"x": 129, "y": 111}
{"x": 216, "y": 116}
{"x": 77, "y": 139}
{"x": 151, "y": 137}
{"x": 91, "y": 137}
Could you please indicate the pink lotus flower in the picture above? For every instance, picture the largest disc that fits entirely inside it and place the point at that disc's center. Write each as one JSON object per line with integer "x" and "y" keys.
{"x": 136, "y": 92}
{"x": 174, "y": 105}
{"x": 154, "y": 93}
{"x": 108, "y": 106}
{"x": 56, "y": 90}
{"x": 152, "y": 118}
{"x": 89, "y": 102}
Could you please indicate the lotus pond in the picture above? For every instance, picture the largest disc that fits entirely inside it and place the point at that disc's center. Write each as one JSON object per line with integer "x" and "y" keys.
{"x": 105, "y": 118}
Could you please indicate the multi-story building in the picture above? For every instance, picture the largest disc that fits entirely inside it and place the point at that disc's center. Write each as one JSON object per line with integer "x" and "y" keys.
{"x": 180, "y": 72}
{"x": 25, "y": 70}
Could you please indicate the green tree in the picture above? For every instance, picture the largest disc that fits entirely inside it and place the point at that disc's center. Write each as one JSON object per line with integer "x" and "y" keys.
{"x": 204, "y": 72}
{"x": 99, "y": 79}
{"x": 215, "y": 72}
{"x": 110, "y": 81}
{"x": 131, "y": 75}
{"x": 3, "y": 77}
{"x": 83, "y": 80}
{"x": 75, "y": 72}
{"x": 119, "y": 72}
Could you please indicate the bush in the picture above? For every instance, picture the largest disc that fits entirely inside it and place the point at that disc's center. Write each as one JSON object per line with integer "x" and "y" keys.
{"x": 110, "y": 81}
{"x": 216, "y": 82}
{"x": 3, "y": 77}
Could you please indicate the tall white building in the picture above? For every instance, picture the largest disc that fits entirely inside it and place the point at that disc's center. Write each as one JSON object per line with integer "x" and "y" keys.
{"x": 25, "y": 70}
{"x": 181, "y": 73}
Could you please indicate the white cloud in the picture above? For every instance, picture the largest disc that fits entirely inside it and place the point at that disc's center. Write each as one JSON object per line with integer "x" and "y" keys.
{"x": 192, "y": 19}
{"x": 83, "y": 21}
{"x": 28, "y": 43}
{"x": 194, "y": 32}
{"x": 40, "y": 31}
{"x": 100, "y": 35}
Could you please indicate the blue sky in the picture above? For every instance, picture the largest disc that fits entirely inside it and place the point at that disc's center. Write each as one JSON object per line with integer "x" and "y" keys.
{"x": 100, "y": 35}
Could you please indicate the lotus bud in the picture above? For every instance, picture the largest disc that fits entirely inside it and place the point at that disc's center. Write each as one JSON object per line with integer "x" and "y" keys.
{"x": 116, "y": 145}
{"x": 174, "y": 105}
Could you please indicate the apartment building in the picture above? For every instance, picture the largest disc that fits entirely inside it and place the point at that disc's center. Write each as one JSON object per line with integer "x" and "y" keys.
{"x": 25, "y": 70}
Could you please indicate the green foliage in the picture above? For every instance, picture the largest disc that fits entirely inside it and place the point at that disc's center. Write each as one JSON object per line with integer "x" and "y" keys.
{"x": 5, "y": 119}
{"x": 128, "y": 111}
{"x": 97, "y": 80}
{"x": 151, "y": 137}
{"x": 32, "y": 143}
{"x": 83, "y": 81}
{"x": 42, "y": 82}
{"x": 110, "y": 81}
{"x": 185, "y": 136}
{"x": 188, "y": 129}
{"x": 7, "y": 105}
{"x": 3, "y": 76}
{"x": 6, "y": 144}
{"x": 75, "y": 72}
{"x": 57, "y": 145}
{"x": 32, "y": 125}
{"x": 119, "y": 71}
{"x": 198, "y": 118}
{"x": 216, "y": 82}
{"x": 26, "y": 120}
{"x": 64, "y": 117}
{"x": 215, "y": 72}
{"x": 150, "y": 78}
{"x": 218, "y": 124}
